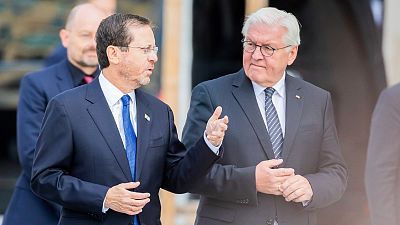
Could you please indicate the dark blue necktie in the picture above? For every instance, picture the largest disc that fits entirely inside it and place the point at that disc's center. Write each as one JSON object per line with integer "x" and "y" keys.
{"x": 274, "y": 127}
{"x": 130, "y": 140}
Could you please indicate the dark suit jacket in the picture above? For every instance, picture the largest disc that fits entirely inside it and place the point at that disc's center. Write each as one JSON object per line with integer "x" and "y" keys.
{"x": 80, "y": 155}
{"x": 383, "y": 160}
{"x": 36, "y": 90}
{"x": 311, "y": 148}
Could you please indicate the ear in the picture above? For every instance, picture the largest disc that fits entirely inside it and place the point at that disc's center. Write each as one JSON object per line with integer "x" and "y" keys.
{"x": 113, "y": 54}
{"x": 292, "y": 54}
{"x": 64, "y": 36}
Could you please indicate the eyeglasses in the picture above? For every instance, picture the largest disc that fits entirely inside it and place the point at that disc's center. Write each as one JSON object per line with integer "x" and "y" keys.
{"x": 146, "y": 50}
{"x": 266, "y": 50}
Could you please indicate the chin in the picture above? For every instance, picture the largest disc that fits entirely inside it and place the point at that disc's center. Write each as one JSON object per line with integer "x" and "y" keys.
{"x": 144, "y": 81}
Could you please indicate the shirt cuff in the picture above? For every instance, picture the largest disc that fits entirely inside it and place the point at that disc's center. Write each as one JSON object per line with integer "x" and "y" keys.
{"x": 105, "y": 209}
{"x": 211, "y": 146}
{"x": 306, "y": 203}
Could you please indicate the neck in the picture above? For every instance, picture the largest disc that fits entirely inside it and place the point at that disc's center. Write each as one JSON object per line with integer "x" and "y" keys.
{"x": 86, "y": 69}
{"x": 117, "y": 80}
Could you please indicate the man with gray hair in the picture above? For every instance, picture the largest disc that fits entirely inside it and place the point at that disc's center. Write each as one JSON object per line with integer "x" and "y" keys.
{"x": 282, "y": 157}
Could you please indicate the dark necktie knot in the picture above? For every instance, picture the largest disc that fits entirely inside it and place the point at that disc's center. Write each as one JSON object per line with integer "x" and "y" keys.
{"x": 125, "y": 100}
{"x": 269, "y": 91}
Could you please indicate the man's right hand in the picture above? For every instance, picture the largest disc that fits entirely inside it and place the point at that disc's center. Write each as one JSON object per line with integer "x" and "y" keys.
{"x": 269, "y": 178}
{"x": 121, "y": 199}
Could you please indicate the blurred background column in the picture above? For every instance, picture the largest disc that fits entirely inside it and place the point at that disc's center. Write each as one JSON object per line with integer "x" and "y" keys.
{"x": 391, "y": 41}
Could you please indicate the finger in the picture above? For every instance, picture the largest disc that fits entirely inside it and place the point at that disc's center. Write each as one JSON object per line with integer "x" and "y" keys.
{"x": 216, "y": 114}
{"x": 133, "y": 211}
{"x": 130, "y": 185}
{"x": 272, "y": 163}
{"x": 225, "y": 120}
{"x": 283, "y": 172}
{"x": 221, "y": 126}
{"x": 294, "y": 195}
{"x": 141, "y": 202}
{"x": 139, "y": 195}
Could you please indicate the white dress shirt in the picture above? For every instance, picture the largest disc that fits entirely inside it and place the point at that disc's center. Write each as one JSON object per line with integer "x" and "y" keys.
{"x": 278, "y": 98}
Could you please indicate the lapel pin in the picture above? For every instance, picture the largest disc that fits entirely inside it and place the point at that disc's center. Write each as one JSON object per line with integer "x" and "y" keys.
{"x": 147, "y": 117}
{"x": 298, "y": 97}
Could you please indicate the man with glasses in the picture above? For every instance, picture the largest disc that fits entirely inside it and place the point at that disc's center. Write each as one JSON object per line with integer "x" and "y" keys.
{"x": 282, "y": 158}
{"x": 36, "y": 90}
{"x": 106, "y": 148}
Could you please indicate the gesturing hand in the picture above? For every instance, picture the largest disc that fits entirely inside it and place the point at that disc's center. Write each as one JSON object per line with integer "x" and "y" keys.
{"x": 119, "y": 198}
{"x": 215, "y": 129}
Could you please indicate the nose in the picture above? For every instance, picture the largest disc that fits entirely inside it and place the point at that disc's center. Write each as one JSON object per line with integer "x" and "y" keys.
{"x": 153, "y": 57}
{"x": 257, "y": 53}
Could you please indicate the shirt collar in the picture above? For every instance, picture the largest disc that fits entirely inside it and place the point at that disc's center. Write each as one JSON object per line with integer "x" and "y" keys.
{"x": 112, "y": 93}
{"x": 77, "y": 74}
{"x": 279, "y": 87}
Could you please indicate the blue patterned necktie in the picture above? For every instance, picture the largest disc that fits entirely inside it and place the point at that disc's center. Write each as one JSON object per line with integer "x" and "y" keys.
{"x": 130, "y": 140}
{"x": 274, "y": 127}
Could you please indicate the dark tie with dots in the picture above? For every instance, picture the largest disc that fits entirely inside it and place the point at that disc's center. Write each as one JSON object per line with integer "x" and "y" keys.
{"x": 274, "y": 127}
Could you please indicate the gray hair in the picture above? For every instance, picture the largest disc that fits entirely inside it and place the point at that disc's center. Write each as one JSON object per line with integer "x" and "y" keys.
{"x": 274, "y": 16}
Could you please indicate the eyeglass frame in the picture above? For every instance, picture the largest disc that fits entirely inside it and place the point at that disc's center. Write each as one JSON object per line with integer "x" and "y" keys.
{"x": 146, "y": 51}
{"x": 261, "y": 47}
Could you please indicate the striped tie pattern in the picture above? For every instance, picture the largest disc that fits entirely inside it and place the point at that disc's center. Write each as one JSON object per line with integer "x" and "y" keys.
{"x": 274, "y": 127}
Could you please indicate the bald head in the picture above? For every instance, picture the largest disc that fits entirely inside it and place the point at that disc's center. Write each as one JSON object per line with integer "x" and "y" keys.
{"x": 78, "y": 36}
{"x": 82, "y": 12}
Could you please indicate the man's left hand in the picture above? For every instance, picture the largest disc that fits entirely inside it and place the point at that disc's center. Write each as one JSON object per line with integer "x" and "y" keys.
{"x": 296, "y": 189}
{"x": 215, "y": 129}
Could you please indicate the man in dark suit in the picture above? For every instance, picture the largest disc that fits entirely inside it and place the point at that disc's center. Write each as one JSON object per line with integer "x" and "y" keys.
{"x": 382, "y": 176}
{"x": 36, "y": 90}
{"x": 105, "y": 149}
{"x": 282, "y": 160}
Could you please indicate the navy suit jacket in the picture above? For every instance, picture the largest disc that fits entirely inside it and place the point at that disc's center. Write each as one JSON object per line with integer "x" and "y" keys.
{"x": 311, "y": 148}
{"x": 36, "y": 90}
{"x": 80, "y": 155}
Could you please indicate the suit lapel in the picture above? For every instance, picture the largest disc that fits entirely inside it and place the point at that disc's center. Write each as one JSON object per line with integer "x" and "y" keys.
{"x": 245, "y": 97}
{"x": 64, "y": 77}
{"x": 104, "y": 120}
{"x": 294, "y": 109}
{"x": 143, "y": 130}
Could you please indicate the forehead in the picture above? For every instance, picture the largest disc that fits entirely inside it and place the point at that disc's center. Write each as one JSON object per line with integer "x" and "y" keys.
{"x": 141, "y": 34}
{"x": 266, "y": 34}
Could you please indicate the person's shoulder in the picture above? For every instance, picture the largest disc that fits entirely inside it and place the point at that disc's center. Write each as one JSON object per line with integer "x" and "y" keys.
{"x": 307, "y": 86}
{"x": 391, "y": 94}
{"x": 145, "y": 96}
{"x": 46, "y": 73}
{"x": 221, "y": 82}
{"x": 392, "y": 90}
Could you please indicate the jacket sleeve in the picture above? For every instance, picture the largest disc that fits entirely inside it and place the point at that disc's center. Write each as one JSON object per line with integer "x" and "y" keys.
{"x": 53, "y": 162}
{"x": 330, "y": 180}
{"x": 225, "y": 182}
{"x": 31, "y": 107}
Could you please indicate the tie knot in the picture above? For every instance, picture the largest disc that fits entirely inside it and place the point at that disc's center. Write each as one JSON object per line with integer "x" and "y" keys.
{"x": 269, "y": 91}
{"x": 125, "y": 100}
{"x": 87, "y": 79}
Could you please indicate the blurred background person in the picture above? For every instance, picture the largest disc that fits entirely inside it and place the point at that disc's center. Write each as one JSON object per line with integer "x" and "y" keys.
{"x": 382, "y": 176}
{"x": 60, "y": 52}
{"x": 36, "y": 90}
